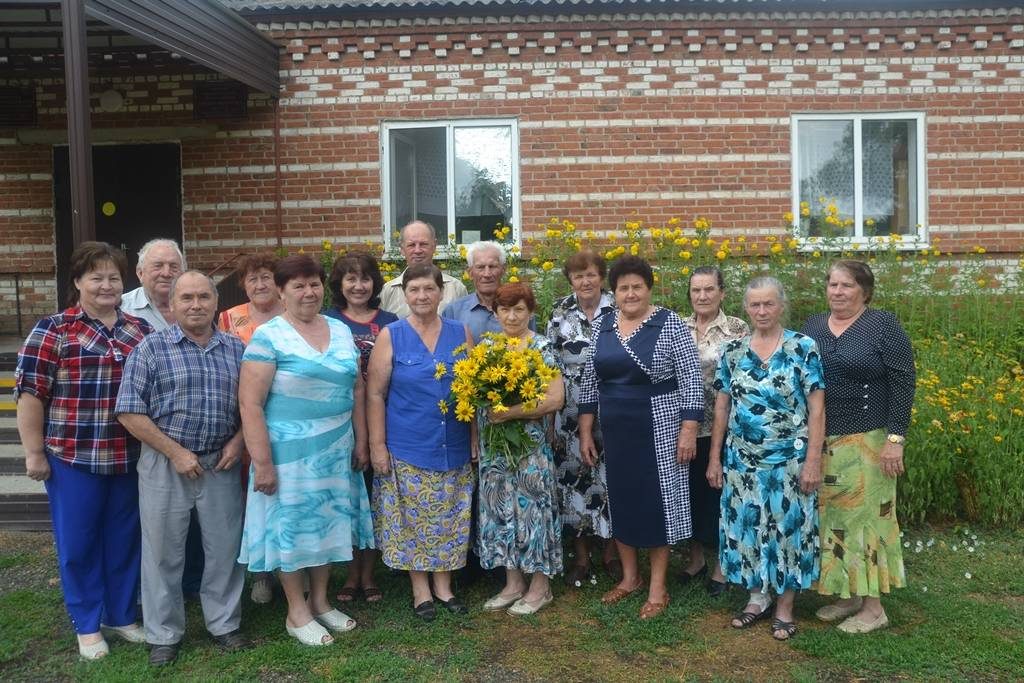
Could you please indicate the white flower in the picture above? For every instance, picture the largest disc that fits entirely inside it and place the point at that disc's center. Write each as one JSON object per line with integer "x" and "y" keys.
{"x": 924, "y": 589}
{"x": 578, "y": 584}
{"x": 906, "y": 544}
{"x": 967, "y": 575}
{"x": 971, "y": 549}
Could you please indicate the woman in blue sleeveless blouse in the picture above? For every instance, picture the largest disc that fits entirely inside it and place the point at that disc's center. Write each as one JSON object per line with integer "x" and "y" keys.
{"x": 423, "y": 491}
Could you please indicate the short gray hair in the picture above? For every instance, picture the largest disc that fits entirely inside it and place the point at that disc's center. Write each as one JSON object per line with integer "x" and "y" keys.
{"x": 428, "y": 226}
{"x": 160, "y": 242}
{"x": 764, "y": 282}
{"x": 483, "y": 245}
{"x": 213, "y": 285}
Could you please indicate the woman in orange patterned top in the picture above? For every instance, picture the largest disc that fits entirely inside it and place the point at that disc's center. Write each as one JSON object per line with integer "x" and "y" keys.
{"x": 256, "y": 275}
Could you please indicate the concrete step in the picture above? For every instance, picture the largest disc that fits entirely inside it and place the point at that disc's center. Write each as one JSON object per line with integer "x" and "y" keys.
{"x": 24, "y": 512}
{"x": 12, "y": 459}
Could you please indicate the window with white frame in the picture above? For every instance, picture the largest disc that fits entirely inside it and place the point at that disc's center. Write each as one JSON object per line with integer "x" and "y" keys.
{"x": 461, "y": 176}
{"x": 859, "y": 176}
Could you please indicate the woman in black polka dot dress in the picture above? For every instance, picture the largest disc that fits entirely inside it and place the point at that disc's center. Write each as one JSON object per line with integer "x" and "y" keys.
{"x": 869, "y": 392}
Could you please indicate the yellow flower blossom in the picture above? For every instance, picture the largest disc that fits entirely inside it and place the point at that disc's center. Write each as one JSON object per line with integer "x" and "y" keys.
{"x": 442, "y": 405}
{"x": 547, "y": 265}
{"x": 440, "y": 370}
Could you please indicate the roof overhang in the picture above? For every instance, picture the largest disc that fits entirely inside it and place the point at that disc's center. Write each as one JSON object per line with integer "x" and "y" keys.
{"x": 202, "y": 31}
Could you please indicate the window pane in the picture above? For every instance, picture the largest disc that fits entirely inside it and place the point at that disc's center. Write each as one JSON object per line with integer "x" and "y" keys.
{"x": 890, "y": 177}
{"x": 825, "y": 165}
{"x": 419, "y": 180}
{"x": 483, "y": 181}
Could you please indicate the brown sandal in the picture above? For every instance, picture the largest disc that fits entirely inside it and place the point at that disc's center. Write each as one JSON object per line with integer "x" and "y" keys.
{"x": 618, "y": 594}
{"x": 347, "y": 594}
{"x": 653, "y": 609}
{"x": 372, "y": 594}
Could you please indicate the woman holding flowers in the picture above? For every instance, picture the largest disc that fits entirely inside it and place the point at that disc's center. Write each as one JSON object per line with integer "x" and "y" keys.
{"x": 423, "y": 491}
{"x": 582, "y": 490}
{"x": 644, "y": 373}
{"x": 771, "y": 401}
{"x": 518, "y": 525}
{"x": 869, "y": 371}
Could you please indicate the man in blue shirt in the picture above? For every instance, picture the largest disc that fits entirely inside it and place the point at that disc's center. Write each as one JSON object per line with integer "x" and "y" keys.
{"x": 485, "y": 265}
{"x": 179, "y": 397}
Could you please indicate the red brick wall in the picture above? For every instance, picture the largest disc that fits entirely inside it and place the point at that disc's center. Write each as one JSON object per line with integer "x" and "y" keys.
{"x": 620, "y": 117}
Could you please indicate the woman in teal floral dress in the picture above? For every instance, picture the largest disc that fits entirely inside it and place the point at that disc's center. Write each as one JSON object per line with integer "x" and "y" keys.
{"x": 771, "y": 398}
{"x": 518, "y": 524}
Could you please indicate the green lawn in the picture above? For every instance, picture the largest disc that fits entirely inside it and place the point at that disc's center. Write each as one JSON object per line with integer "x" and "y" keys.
{"x": 962, "y": 618}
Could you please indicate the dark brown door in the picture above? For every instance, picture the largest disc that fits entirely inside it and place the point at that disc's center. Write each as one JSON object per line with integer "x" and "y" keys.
{"x": 138, "y": 198}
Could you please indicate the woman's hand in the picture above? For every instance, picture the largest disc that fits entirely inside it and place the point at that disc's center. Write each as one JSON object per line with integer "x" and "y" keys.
{"x": 891, "y": 459}
{"x": 714, "y": 473}
{"x": 588, "y": 451}
{"x": 810, "y": 475}
{"x": 686, "y": 443}
{"x": 37, "y": 467}
{"x": 360, "y": 457}
{"x": 380, "y": 459}
{"x": 264, "y": 478}
{"x": 496, "y": 417}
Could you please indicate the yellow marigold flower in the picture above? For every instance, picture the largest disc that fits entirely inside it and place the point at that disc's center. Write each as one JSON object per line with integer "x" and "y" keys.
{"x": 681, "y": 241}
{"x": 634, "y": 249}
{"x": 464, "y": 411}
{"x": 981, "y": 282}
{"x": 741, "y": 239}
{"x": 609, "y": 255}
{"x": 462, "y": 250}
{"x": 685, "y": 270}
{"x": 805, "y": 211}
{"x": 547, "y": 265}
{"x": 695, "y": 243}
{"x": 710, "y": 242}
{"x": 302, "y": 250}
{"x": 772, "y": 238}
{"x": 720, "y": 255}
{"x": 822, "y": 200}
{"x": 535, "y": 261}
{"x": 788, "y": 216}
{"x": 685, "y": 255}
{"x": 776, "y": 248}
{"x": 656, "y": 233}
{"x": 513, "y": 278}
{"x": 816, "y": 254}
{"x": 869, "y": 222}
{"x": 673, "y": 221}
{"x": 440, "y": 370}
{"x": 327, "y": 245}
{"x": 442, "y": 405}
{"x": 792, "y": 243}
{"x": 997, "y": 438}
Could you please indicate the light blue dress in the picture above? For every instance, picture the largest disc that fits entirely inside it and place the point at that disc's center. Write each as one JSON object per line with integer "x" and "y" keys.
{"x": 320, "y": 511}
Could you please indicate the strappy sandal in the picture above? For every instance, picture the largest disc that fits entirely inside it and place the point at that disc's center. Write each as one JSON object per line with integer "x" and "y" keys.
{"x": 372, "y": 594}
{"x": 618, "y": 594}
{"x": 748, "y": 619}
{"x": 787, "y": 627}
{"x": 653, "y": 609}
{"x": 347, "y": 594}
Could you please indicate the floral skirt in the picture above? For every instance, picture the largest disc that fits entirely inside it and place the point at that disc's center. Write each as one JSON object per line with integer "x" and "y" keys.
{"x": 582, "y": 490}
{"x": 768, "y": 534}
{"x": 518, "y": 524}
{"x": 421, "y": 518}
{"x": 860, "y": 537}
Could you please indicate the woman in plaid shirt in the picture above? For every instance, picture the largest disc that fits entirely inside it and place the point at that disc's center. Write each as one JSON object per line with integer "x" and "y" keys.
{"x": 66, "y": 383}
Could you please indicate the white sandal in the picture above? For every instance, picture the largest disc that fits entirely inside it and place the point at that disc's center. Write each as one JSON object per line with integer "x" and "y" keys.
{"x": 311, "y": 634}
{"x": 132, "y": 633}
{"x": 93, "y": 651}
{"x": 336, "y": 620}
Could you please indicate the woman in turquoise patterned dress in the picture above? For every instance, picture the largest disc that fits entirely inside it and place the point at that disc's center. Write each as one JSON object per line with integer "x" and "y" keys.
{"x": 771, "y": 401}
{"x": 300, "y": 395}
{"x": 519, "y": 527}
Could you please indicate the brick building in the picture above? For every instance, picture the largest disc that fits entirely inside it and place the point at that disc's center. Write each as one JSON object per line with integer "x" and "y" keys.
{"x": 470, "y": 112}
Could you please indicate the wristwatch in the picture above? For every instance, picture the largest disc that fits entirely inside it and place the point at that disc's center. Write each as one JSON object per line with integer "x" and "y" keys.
{"x": 895, "y": 438}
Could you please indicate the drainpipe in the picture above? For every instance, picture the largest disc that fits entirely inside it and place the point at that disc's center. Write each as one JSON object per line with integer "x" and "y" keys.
{"x": 277, "y": 173}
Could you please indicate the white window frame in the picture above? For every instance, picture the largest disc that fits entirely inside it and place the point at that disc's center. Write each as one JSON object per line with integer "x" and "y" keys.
{"x": 445, "y": 233}
{"x": 908, "y": 242}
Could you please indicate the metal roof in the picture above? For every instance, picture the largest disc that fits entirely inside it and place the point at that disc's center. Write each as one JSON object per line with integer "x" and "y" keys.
{"x": 317, "y": 6}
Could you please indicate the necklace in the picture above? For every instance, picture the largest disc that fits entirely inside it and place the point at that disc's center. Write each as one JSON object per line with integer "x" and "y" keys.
{"x": 778, "y": 342}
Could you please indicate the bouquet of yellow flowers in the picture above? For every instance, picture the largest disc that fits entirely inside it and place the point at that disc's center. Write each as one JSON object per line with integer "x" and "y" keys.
{"x": 496, "y": 374}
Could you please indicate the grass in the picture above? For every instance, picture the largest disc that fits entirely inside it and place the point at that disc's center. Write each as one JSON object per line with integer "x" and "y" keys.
{"x": 961, "y": 618}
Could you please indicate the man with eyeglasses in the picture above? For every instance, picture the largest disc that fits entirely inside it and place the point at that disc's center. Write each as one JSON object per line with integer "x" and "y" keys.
{"x": 417, "y": 242}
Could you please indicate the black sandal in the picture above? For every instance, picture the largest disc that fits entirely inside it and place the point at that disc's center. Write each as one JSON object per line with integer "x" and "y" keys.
{"x": 454, "y": 605}
{"x": 787, "y": 627}
{"x": 748, "y": 619}
{"x": 426, "y": 610}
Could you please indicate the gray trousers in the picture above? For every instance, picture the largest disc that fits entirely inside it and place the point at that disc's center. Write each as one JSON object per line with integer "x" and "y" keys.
{"x": 166, "y": 499}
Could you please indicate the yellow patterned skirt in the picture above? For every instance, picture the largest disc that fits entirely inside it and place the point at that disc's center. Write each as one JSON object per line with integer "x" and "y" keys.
{"x": 860, "y": 537}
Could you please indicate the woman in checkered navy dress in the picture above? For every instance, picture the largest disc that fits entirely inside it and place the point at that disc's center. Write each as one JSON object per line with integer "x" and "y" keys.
{"x": 644, "y": 380}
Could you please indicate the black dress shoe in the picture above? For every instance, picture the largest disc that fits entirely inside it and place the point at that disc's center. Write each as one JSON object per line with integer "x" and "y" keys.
{"x": 425, "y": 610}
{"x": 162, "y": 655}
{"x": 716, "y": 588}
{"x": 232, "y": 642}
{"x": 686, "y": 577}
{"x": 454, "y": 605}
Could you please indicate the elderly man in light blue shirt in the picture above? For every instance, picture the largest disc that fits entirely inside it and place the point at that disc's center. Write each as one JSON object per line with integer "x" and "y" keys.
{"x": 160, "y": 261}
{"x": 485, "y": 265}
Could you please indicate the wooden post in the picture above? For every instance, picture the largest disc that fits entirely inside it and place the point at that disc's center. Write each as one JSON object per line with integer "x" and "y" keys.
{"x": 76, "y": 81}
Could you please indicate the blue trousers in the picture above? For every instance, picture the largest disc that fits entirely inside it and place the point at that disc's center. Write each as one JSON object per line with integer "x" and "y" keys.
{"x": 99, "y": 544}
